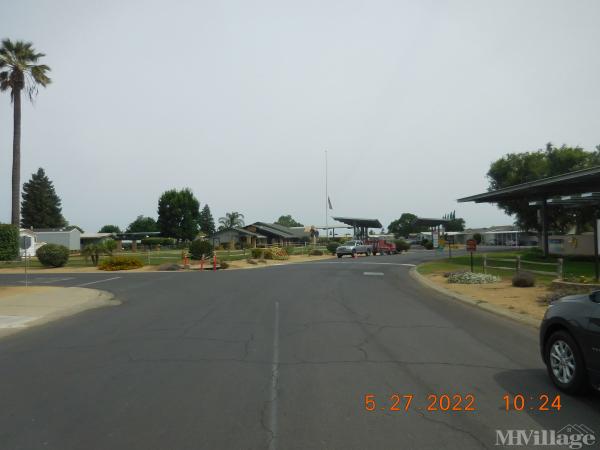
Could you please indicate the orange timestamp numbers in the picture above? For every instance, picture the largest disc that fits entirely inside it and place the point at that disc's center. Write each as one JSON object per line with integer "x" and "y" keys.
{"x": 541, "y": 402}
{"x": 434, "y": 402}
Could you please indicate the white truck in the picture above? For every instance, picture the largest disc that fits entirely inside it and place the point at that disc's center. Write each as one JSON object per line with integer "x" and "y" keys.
{"x": 353, "y": 248}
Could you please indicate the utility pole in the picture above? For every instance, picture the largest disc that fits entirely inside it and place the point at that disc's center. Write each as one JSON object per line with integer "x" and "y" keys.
{"x": 326, "y": 199}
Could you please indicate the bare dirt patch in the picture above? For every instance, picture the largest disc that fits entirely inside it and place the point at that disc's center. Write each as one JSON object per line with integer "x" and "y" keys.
{"x": 518, "y": 300}
{"x": 243, "y": 264}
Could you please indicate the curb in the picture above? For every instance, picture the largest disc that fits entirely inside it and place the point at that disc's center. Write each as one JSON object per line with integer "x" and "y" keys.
{"x": 498, "y": 310}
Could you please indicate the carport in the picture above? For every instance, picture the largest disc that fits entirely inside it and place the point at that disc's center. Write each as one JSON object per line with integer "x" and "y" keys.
{"x": 433, "y": 224}
{"x": 580, "y": 188}
{"x": 360, "y": 227}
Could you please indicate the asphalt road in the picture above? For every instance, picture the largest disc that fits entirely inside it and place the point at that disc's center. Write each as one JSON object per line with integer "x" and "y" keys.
{"x": 279, "y": 358}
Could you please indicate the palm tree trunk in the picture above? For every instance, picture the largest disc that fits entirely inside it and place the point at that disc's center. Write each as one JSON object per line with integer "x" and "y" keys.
{"x": 16, "y": 167}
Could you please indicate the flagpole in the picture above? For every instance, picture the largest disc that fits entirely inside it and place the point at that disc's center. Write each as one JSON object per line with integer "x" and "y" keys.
{"x": 326, "y": 199}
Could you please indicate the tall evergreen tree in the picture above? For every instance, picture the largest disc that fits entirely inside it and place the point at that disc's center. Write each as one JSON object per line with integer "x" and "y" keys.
{"x": 206, "y": 222}
{"x": 41, "y": 207}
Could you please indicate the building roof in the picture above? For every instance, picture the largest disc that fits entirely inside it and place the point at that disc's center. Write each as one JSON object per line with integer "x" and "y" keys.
{"x": 135, "y": 235}
{"x": 577, "y": 182}
{"x": 54, "y": 230}
{"x": 95, "y": 235}
{"x": 276, "y": 229}
{"x": 238, "y": 230}
{"x": 359, "y": 222}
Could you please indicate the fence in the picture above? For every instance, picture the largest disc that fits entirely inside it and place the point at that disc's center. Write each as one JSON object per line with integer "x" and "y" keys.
{"x": 517, "y": 265}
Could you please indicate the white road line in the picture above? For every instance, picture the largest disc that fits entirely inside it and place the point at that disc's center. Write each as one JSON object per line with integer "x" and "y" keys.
{"x": 274, "y": 381}
{"x": 373, "y": 274}
{"x": 99, "y": 281}
{"x": 45, "y": 280}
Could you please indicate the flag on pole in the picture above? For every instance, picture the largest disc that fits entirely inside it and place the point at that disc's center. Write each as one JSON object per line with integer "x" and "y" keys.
{"x": 329, "y": 202}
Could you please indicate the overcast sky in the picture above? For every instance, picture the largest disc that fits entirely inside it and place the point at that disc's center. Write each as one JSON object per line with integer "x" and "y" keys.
{"x": 239, "y": 99}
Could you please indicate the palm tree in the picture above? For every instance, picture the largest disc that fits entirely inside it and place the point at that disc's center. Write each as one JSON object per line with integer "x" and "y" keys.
{"x": 18, "y": 71}
{"x": 232, "y": 220}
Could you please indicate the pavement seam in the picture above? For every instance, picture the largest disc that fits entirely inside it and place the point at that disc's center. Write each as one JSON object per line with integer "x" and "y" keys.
{"x": 481, "y": 304}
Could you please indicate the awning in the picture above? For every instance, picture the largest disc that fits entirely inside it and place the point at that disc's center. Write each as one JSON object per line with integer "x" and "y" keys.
{"x": 359, "y": 222}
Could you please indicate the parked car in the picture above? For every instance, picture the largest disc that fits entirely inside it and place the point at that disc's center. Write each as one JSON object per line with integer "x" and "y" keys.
{"x": 570, "y": 342}
{"x": 353, "y": 248}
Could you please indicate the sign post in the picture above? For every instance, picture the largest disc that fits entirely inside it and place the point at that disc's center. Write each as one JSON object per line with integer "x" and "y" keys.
{"x": 471, "y": 247}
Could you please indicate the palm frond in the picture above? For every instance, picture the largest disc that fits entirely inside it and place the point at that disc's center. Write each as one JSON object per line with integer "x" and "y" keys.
{"x": 19, "y": 57}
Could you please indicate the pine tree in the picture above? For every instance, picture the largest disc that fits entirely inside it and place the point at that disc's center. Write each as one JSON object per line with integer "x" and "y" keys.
{"x": 206, "y": 222}
{"x": 41, "y": 207}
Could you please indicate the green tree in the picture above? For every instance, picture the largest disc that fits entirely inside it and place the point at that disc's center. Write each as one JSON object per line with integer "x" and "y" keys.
{"x": 231, "y": 220}
{"x": 403, "y": 226}
{"x": 288, "y": 221}
{"x": 178, "y": 214}
{"x": 516, "y": 168}
{"x": 41, "y": 207}
{"x": 142, "y": 224}
{"x": 207, "y": 223}
{"x": 19, "y": 70}
{"x": 455, "y": 225}
{"x": 110, "y": 229}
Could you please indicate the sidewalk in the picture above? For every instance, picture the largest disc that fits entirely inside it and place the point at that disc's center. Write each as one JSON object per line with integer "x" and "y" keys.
{"x": 24, "y": 307}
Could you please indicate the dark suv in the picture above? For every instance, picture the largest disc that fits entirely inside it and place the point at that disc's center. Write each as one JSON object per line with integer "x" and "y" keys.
{"x": 570, "y": 342}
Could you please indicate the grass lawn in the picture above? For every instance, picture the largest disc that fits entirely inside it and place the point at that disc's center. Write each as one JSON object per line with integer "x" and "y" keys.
{"x": 528, "y": 262}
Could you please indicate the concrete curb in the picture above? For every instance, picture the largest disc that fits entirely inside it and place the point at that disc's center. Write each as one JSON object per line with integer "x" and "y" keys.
{"x": 498, "y": 310}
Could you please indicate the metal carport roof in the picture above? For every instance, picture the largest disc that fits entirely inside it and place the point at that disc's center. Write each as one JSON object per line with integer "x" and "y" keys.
{"x": 577, "y": 182}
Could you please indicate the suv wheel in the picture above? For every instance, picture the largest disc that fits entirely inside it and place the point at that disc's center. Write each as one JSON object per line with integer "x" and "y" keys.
{"x": 565, "y": 363}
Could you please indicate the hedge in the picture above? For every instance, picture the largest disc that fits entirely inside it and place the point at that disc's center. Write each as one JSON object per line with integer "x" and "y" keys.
{"x": 9, "y": 242}
{"x": 120, "y": 263}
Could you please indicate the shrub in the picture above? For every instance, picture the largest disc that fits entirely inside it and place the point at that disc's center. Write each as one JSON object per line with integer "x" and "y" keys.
{"x": 9, "y": 242}
{"x": 523, "y": 279}
{"x": 290, "y": 250}
{"x": 251, "y": 261}
{"x": 262, "y": 253}
{"x": 477, "y": 237}
{"x": 52, "y": 255}
{"x": 93, "y": 251}
{"x": 472, "y": 278}
{"x": 401, "y": 245}
{"x": 454, "y": 272}
{"x": 199, "y": 248}
{"x": 151, "y": 241}
{"x": 428, "y": 245}
{"x": 315, "y": 252}
{"x": 332, "y": 247}
{"x": 169, "y": 266}
{"x": 279, "y": 253}
{"x": 120, "y": 263}
{"x": 109, "y": 246}
{"x": 223, "y": 264}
